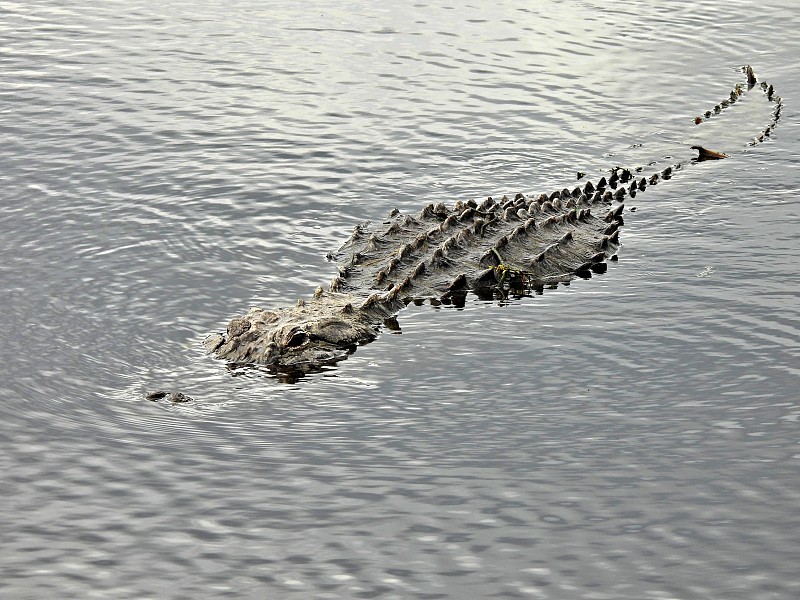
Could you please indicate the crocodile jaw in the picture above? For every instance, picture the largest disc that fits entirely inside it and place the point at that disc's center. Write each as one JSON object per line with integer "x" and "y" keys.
{"x": 316, "y": 332}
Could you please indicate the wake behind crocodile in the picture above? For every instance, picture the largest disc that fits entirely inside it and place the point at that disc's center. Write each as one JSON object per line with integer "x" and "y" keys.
{"x": 493, "y": 248}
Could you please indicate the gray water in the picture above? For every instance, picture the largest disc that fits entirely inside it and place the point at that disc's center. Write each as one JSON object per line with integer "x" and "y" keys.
{"x": 166, "y": 165}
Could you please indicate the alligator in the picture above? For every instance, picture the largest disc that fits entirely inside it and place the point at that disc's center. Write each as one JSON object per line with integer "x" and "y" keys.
{"x": 491, "y": 248}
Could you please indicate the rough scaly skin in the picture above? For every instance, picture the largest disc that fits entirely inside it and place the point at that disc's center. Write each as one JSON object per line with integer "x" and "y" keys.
{"x": 492, "y": 247}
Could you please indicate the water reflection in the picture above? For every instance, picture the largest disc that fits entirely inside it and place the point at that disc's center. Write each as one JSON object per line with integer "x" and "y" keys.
{"x": 631, "y": 436}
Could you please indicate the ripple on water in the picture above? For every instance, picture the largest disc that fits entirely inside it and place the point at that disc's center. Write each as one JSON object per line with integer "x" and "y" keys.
{"x": 164, "y": 168}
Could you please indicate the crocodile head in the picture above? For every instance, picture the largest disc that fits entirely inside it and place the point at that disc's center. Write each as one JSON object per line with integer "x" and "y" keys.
{"x": 321, "y": 331}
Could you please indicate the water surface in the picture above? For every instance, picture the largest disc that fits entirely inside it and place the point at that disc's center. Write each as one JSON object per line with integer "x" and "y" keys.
{"x": 167, "y": 165}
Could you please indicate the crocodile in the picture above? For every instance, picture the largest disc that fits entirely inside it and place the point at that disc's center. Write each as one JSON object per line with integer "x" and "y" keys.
{"x": 491, "y": 248}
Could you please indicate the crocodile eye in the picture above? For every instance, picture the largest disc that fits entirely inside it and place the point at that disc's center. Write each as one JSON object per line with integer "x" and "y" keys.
{"x": 298, "y": 339}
